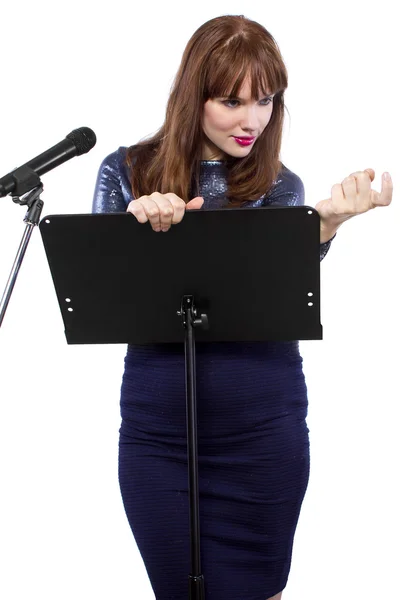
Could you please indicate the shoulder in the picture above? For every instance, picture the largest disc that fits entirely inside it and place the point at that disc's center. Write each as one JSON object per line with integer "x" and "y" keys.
{"x": 114, "y": 169}
{"x": 115, "y": 160}
{"x": 288, "y": 188}
{"x": 113, "y": 190}
{"x": 290, "y": 178}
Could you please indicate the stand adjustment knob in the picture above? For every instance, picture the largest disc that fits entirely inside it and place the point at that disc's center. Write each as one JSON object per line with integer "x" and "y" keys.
{"x": 203, "y": 321}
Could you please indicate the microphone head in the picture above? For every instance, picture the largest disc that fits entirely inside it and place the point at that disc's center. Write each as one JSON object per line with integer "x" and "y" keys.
{"x": 83, "y": 139}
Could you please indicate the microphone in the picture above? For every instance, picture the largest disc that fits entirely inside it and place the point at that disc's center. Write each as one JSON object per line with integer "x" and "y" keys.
{"x": 76, "y": 143}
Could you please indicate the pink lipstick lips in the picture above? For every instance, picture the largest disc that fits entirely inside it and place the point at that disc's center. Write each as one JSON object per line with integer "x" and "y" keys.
{"x": 246, "y": 141}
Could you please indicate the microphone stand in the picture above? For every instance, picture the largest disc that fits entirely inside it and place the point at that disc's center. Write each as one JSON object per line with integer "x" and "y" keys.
{"x": 24, "y": 194}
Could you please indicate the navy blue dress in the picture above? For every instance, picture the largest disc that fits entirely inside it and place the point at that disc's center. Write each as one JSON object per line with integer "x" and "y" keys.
{"x": 253, "y": 443}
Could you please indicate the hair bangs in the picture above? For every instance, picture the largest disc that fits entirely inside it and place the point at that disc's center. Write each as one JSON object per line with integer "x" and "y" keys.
{"x": 228, "y": 74}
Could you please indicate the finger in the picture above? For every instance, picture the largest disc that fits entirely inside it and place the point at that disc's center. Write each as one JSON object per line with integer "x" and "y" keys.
{"x": 371, "y": 173}
{"x": 166, "y": 210}
{"x": 386, "y": 195}
{"x": 357, "y": 190}
{"x": 195, "y": 204}
{"x": 363, "y": 181}
{"x": 137, "y": 209}
{"x": 153, "y": 213}
{"x": 349, "y": 187}
{"x": 178, "y": 206}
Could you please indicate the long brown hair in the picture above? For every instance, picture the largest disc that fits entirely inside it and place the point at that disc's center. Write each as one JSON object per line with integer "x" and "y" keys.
{"x": 217, "y": 59}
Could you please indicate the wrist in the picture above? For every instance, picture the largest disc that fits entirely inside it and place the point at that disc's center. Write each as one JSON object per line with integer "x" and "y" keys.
{"x": 328, "y": 229}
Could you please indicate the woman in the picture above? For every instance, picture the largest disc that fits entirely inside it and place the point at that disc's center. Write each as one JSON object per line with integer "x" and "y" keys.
{"x": 253, "y": 439}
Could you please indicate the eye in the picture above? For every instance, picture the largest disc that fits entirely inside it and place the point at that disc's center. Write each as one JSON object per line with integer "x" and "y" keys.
{"x": 228, "y": 102}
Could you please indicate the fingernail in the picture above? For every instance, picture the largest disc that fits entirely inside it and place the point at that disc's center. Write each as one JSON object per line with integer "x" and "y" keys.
{"x": 386, "y": 176}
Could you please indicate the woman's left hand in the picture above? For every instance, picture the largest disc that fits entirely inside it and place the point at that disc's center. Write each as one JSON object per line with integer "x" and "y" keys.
{"x": 354, "y": 196}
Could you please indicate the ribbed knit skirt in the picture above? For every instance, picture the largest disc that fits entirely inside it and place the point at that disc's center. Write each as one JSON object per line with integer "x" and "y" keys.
{"x": 253, "y": 448}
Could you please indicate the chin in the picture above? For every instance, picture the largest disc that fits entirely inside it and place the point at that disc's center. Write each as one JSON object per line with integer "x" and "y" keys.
{"x": 240, "y": 153}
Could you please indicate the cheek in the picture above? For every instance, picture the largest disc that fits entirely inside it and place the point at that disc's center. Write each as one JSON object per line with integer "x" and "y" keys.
{"x": 266, "y": 120}
{"x": 223, "y": 122}
{"x": 215, "y": 119}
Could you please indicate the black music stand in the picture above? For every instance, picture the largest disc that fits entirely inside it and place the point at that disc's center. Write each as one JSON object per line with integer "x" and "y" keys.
{"x": 233, "y": 274}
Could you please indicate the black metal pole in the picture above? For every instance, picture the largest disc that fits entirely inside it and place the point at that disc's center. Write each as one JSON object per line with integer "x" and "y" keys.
{"x": 188, "y": 314}
{"x": 32, "y": 218}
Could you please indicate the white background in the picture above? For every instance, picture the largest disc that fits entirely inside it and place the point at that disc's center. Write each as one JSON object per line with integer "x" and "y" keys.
{"x": 109, "y": 66}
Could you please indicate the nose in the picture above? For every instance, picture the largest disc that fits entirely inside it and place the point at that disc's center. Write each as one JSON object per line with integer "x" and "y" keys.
{"x": 250, "y": 121}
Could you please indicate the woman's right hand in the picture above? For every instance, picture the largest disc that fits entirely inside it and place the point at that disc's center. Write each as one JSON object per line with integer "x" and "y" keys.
{"x": 162, "y": 210}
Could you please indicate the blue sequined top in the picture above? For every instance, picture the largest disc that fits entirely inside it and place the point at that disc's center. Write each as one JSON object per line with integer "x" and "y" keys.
{"x": 113, "y": 190}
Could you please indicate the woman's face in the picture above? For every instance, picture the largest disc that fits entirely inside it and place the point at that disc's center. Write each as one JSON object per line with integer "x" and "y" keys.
{"x": 227, "y": 118}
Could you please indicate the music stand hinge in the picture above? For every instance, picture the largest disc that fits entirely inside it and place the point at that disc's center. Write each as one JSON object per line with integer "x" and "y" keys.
{"x": 189, "y": 311}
